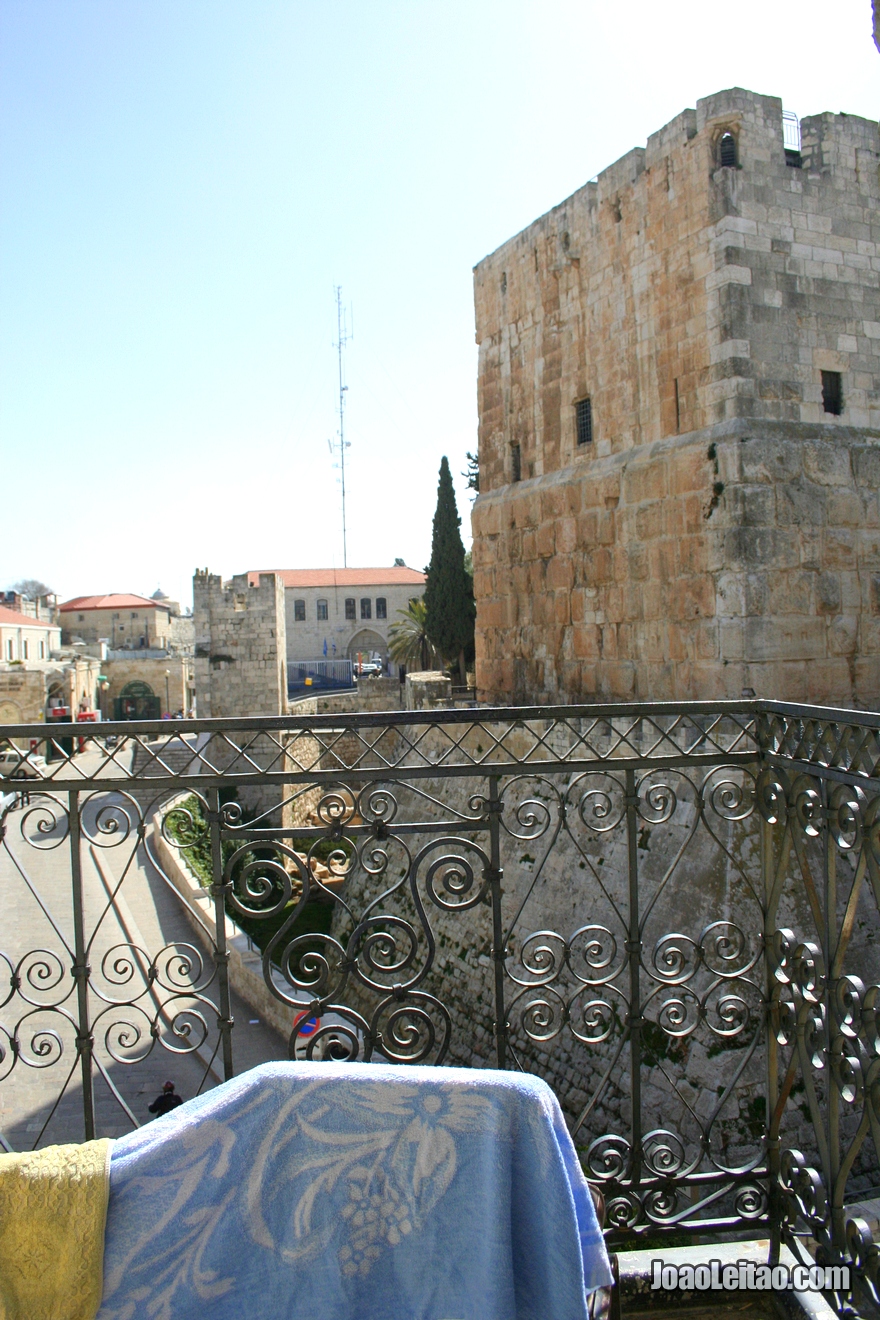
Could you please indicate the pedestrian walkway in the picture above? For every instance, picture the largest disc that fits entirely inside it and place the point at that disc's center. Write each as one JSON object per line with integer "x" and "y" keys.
{"x": 145, "y": 916}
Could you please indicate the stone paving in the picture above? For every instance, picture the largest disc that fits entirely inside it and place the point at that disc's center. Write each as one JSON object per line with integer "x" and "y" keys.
{"x": 147, "y": 914}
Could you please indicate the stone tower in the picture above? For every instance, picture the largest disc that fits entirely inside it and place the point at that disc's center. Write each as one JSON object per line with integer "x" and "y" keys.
{"x": 679, "y": 405}
{"x": 241, "y": 646}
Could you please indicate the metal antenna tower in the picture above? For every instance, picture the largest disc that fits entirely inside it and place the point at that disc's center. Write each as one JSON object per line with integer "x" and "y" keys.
{"x": 343, "y": 335}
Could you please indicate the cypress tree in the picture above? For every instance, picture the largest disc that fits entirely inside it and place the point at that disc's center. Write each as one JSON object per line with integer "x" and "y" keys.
{"x": 449, "y": 591}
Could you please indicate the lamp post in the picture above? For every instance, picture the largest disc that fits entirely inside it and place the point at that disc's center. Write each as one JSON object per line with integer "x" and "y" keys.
{"x": 167, "y": 695}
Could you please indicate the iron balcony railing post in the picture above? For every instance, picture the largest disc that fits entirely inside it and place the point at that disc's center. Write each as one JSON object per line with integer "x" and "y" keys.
{"x": 499, "y": 951}
{"x": 225, "y": 1021}
{"x": 771, "y": 1053}
{"x": 829, "y": 954}
{"x": 634, "y": 954}
{"x": 80, "y": 969}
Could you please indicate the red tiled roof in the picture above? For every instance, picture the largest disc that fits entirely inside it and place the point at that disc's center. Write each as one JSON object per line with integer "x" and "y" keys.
{"x": 12, "y": 618}
{"x": 120, "y": 602}
{"x": 342, "y": 577}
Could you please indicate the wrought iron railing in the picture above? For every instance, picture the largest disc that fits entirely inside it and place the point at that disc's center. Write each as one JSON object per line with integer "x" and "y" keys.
{"x": 668, "y": 911}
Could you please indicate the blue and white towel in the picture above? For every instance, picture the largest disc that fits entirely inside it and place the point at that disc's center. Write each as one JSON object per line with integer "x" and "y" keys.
{"x": 331, "y": 1191}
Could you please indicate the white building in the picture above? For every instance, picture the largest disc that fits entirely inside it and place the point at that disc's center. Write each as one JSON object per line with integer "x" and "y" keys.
{"x": 334, "y": 613}
{"x": 24, "y": 638}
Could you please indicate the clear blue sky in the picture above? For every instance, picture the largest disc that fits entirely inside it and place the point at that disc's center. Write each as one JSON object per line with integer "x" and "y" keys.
{"x": 183, "y": 183}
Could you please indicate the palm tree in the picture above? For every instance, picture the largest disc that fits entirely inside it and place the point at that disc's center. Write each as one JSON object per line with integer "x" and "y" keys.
{"x": 408, "y": 642}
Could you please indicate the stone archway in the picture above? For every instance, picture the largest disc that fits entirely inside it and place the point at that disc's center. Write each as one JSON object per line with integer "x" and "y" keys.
{"x": 137, "y": 701}
{"x": 367, "y": 641}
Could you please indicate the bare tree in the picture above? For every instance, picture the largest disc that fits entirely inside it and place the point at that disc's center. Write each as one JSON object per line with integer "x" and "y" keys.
{"x": 31, "y": 588}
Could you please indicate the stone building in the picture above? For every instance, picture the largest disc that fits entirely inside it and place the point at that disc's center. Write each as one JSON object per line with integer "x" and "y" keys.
{"x": 240, "y": 656}
{"x": 24, "y": 637}
{"x": 334, "y": 613}
{"x": 122, "y": 620}
{"x": 680, "y": 422}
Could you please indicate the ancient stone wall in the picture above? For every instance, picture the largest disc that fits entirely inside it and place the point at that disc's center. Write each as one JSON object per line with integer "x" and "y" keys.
{"x": 718, "y": 530}
{"x": 176, "y": 695}
{"x": 241, "y": 646}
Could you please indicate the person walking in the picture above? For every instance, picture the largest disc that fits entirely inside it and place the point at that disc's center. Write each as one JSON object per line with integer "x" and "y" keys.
{"x": 167, "y": 1100}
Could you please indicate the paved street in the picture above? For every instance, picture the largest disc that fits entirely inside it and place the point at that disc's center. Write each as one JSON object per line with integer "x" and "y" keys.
{"x": 145, "y": 918}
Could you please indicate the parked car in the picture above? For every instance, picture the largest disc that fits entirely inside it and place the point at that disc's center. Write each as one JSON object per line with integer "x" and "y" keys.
{"x": 15, "y": 764}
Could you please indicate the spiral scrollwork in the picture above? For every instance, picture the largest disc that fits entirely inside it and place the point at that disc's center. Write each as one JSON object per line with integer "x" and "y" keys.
{"x": 590, "y": 1020}
{"x": 412, "y": 1028}
{"x": 661, "y": 1204}
{"x": 680, "y": 1015}
{"x": 121, "y": 964}
{"x": 377, "y": 805}
{"x": 623, "y": 1212}
{"x": 751, "y": 1201}
{"x": 309, "y": 963}
{"x": 181, "y": 1027}
{"x": 847, "y": 999}
{"x": 332, "y": 1042}
{"x": 450, "y": 879}
{"x": 180, "y": 967}
{"x": 864, "y": 1254}
{"x": 783, "y": 1015}
{"x": 657, "y": 802}
{"x": 728, "y": 797}
{"x": 609, "y": 1156}
{"x": 870, "y": 1019}
{"x": 807, "y": 972}
{"x": 805, "y": 805}
{"x": 541, "y": 958}
{"x": 770, "y": 789}
{"x": 183, "y": 828}
{"x": 45, "y": 824}
{"x": 724, "y": 949}
{"x": 727, "y": 1014}
{"x": 383, "y": 946}
{"x": 846, "y": 808}
{"x": 592, "y": 955}
{"x": 39, "y": 1044}
{"x": 600, "y": 807}
{"x": 261, "y": 886}
{"x": 8, "y": 1053}
{"x": 336, "y": 808}
{"x": 109, "y": 823}
{"x": 541, "y": 1017}
{"x": 533, "y": 817}
{"x": 675, "y": 958}
{"x": 40, "y": 972}
{"x": 846, "y": 1069}
{"x": 804, "y": 1185}
{"x": 128, "y": 1040}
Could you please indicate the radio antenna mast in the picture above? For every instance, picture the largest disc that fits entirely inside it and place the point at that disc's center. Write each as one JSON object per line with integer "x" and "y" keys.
{"x": 343, "y": 335}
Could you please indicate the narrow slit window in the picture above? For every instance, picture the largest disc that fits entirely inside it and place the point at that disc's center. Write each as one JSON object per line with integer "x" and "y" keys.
{"x": 322, "y": 610}
{"x": 584, "y": 415}
{"x": 299, "y": 611}
{"x": 515, "y": 463}
{"x": 350, "y": 612}
{"x": 677, "y": 407}
{"x": 832, "y": 392}
{"x": 727, "y": 150}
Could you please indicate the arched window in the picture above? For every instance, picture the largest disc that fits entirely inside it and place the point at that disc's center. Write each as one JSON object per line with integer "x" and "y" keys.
{"x": 299, "y": 611}
{"x": 350, "y": 611}
{"x": 322, "y": 609}
{"x": 727, "y": 150}
{"x": 366, "y": 608}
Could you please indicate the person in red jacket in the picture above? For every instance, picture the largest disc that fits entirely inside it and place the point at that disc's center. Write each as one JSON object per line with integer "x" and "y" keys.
{"x": 167, "y": 1100}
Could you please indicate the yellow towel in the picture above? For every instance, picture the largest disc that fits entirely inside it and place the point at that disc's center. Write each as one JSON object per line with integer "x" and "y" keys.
{"x": 53, "y": 1207}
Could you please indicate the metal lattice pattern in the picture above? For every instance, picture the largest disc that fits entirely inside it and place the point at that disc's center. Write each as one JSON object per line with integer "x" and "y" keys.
{"x": 670, "y": 912}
